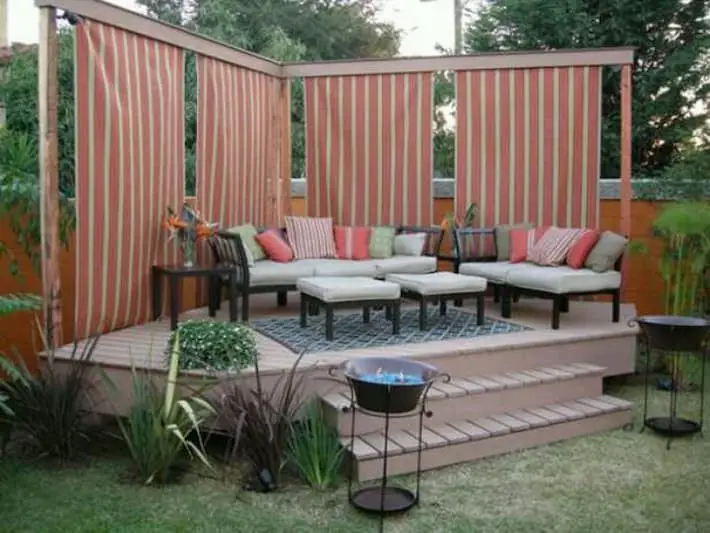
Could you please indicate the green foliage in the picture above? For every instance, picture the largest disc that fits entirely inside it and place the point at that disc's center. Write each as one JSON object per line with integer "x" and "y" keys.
{"x": 159, "y": 427}
{"x": 671, "y": 72}
{"x": 314, "y": 449}
{"x": 50, "y": 408}
{"x": 259, "y": 422}
{"x": 687, "y": 178}
{"x": 213, "y": 345}
{"x": 13, "y": 303}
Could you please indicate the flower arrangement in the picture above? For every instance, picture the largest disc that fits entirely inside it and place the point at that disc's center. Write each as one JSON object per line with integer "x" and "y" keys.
{"x": 188, "y": 227}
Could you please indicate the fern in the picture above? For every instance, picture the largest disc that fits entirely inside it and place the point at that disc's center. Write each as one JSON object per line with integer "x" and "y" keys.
{"x": 12, "y": 303}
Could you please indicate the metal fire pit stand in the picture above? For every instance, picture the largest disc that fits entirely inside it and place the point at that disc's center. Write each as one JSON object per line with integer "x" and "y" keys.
{"x": 384, "y": 499}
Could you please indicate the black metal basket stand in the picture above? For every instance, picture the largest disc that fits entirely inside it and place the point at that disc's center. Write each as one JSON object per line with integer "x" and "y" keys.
{"x": 676, "y": 337}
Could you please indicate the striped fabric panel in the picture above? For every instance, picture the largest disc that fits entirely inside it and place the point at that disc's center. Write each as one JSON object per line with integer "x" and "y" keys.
{"x": 311, "y": 238}
{"x": 369, "y": 153}
{"x": 528, "y": 145}
{"x": 129, "y": 102}
{"x": 553, "y": 246}
{"x": 236, "y": 144}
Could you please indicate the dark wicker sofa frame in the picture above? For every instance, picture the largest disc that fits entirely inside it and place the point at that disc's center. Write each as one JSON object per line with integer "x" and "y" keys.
{"x": 228, "y": 249}
{"x": 505, "y": 293}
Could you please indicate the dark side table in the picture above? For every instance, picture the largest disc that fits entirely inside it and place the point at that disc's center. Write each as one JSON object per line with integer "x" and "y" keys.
{"x": 176, "y": 273}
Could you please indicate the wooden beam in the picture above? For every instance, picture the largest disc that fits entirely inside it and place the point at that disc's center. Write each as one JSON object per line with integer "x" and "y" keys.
{"x": 625, "y": 150}
{"x": 49, "y": 176}
{"x": 161, "y": 31}
{"x": 285, "y": 154}
{"x": 528, "y": 59}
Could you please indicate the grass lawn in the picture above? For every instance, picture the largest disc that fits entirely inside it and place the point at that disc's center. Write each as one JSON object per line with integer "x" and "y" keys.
{"x": 617, "y": 482}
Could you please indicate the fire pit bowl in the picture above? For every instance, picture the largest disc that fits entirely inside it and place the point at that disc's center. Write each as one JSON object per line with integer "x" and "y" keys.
{"x": 388, "y": 384}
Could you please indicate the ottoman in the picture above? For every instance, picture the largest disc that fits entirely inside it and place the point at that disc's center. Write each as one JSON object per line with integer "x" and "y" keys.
{"x": 441, "y": 286}
{"x": 330, "y": 293}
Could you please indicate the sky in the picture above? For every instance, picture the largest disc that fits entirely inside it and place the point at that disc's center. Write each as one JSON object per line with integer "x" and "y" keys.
{"x": 425, "y": 23}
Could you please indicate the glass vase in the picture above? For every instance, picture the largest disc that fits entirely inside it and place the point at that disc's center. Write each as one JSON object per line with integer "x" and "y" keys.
{"x": 188, "y": 252}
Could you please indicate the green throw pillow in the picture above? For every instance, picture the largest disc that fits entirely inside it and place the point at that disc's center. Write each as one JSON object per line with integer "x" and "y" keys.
{"x": 609, "y": 248}
{"x": 502, "y": 234}
{"x": 381, "y": 242}
{"x": 248, "y": 234}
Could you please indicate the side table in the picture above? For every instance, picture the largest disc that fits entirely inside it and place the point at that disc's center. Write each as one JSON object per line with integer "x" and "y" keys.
{"x": 176, "y": 273}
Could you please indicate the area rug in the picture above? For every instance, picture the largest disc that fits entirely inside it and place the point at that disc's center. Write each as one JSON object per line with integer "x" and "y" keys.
{"x": 350, "y": 332}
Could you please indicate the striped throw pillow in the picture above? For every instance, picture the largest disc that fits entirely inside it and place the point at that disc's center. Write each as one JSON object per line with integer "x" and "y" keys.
{"x": 352, "y": 242}
{"x": 552, "y": 248}
{"x": 311, "y": 238}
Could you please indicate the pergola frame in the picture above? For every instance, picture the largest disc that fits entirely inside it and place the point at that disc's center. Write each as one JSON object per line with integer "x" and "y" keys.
{"x": 145, "y": 26}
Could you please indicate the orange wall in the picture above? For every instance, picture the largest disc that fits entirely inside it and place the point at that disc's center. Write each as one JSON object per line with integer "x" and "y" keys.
{"x": 642, "y": 282}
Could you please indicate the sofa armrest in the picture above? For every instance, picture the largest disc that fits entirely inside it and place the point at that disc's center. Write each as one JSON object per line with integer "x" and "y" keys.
{"x": 228, "y": 249}
{"x": 434, "y": 238}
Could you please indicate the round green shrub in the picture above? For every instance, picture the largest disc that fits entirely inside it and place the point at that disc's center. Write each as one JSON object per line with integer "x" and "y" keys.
{"x": 211, "y": 345}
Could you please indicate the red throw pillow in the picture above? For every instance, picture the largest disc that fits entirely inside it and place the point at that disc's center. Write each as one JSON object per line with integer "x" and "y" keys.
{"x": 274, "y": 245}
{"x": 352, "y": 242}
{"x": 521, "y": 241}
{"x": 580, "y": 249}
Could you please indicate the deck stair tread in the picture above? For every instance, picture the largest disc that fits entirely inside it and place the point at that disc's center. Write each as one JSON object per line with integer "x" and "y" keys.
{"x": 370, "y": 446}
{"x": 465, "y": 386}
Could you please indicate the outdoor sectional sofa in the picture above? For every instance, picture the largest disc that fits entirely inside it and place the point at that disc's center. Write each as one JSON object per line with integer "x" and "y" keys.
{"x": 510, "y": 279}
{"x": 268, "y": 276}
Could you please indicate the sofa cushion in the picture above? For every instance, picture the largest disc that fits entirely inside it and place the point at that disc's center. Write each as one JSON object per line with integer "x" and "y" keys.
{"x": 553, "y": 246}
{"x": 609, "y": 248}
{"x": 411, "y": 244}
{"x": 268, "y": 272}
{"x": 276, "y": 248}
{"x": 339, "y": 289}
{"x": 310, "y": 237}
{"x": 438, "y": 283}
{"x": 381, "y": 242}
{"x": 502, "y": 236}
{"x": 248, "y": 234}
{"x": 562, "y": 279}
{"x": 495, "y": 272}
{"x": 352, "y": 242}
{"x": 342, "y": 267}
{"x": 406, "y": 264}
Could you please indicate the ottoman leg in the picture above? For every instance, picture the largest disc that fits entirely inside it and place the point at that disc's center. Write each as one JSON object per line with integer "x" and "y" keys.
{"x": 366, "y": 314}
{"x": 388, "y": 312}
{"x": 304, "y": 310}
{"x": 458, "y": 302}
{"x": 329, "y": 322}
{"x": 442, "y": 306}
{"x": 313, "y": 308}
{"x": 395, "y": 317}
{"x": 480, "y": 310}
{"x": 423, "y": 311}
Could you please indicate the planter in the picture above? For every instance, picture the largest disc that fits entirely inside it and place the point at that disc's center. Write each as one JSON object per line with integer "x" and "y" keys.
{"x": 388, "y": 384}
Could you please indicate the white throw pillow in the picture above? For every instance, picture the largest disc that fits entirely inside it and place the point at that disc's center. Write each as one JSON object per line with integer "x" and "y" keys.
{"x": 409, "y": 244}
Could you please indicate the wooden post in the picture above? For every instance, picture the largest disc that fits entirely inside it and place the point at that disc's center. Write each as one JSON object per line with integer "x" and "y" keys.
{"x": 284, "y": 197}
{"x": 626, "y": 146}
{"x": 49, "y": 175}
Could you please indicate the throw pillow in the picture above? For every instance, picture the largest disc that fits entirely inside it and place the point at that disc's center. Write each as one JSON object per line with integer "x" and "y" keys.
{"x": 352, "y": 242}
{"x": 553, "y": 246}
{"x": 581, "y": 247}
{"x": 382, "y": 242}
{"x": 521, "y": 240}
{"x": 311, "y": 238}
{"x": 606, "y": 252}
{"x": 248, "y": 234}
{"x": 502, "y": 236}
{"x": 275, "y": 246}
{"x": 409, "y": 244}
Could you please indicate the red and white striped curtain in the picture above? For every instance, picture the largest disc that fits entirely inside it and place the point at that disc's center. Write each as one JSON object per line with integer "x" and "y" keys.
{"x": 528, "y": 145}
{"x": 129, "y": 101}
{"x": 237, "y": 143}
{"x": 369, "y": 148}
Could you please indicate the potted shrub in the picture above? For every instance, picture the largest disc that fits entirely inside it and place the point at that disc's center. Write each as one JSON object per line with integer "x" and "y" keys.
{"x": 212, "y": 345}
{"x": 452, "y": 221}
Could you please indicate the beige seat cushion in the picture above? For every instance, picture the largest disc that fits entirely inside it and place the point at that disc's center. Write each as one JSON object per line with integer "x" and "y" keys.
{"x": 438, "y": 283}
{"x": 562, "y": 279}
{"x": 346, "y": 289}
{"x": 268, "y": 272}
{"x": 403, "y": 264}
{"x": 343, "y": 267}
{"x": 495, "y": 272}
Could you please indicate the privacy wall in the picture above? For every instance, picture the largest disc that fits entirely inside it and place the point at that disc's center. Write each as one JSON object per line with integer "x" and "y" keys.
{"x": 528, "y": 145}
{"x": 129, "y": 167}
{"x": 237, "y": 161}
{"x": 369, "y": 148}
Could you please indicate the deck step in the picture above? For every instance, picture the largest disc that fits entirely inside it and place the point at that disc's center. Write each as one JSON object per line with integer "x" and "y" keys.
{"x": 480, "y": 396}
{"x": 468, "y": 440}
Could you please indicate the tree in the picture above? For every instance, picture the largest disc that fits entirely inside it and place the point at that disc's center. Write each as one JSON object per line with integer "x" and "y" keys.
{"x": 671, "y": 72}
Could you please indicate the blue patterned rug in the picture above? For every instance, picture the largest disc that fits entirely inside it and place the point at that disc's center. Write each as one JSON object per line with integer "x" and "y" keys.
{"x": 350, "y": 332}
